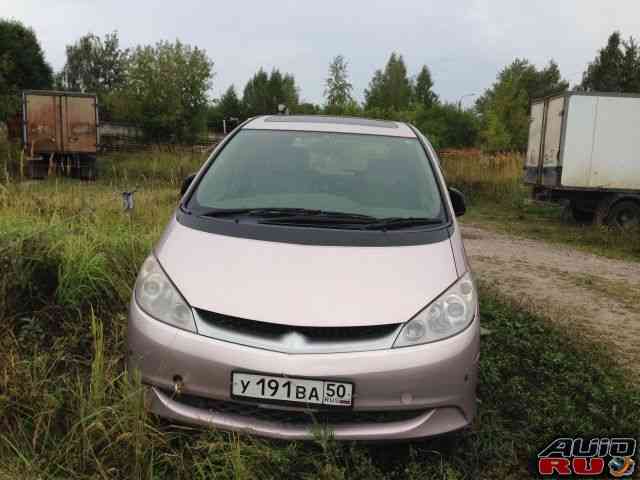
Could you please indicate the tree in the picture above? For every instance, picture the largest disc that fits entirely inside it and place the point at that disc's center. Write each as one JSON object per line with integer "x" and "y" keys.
{"x": 391, "y": 89}
{"x": 615, "y": 69}
{"x": 307, "y": 108}
{"x": 256, "y": 94}
{"x": 504, "y": 108}
{"x": 338, "y": 89}
{"x": 545, "y": 82}
{"x": 445, "y": 125}
{"x": 630, "y": 71}
{"x": 422, "y": 93}
{"x": 95, "y": 65}
{"x": 230, "y": 105}
{"x": 374, "y": 96}
{"x": 22, "y": 65}
{"x": 166, "y": 91}
{"x": 263, "y": 93}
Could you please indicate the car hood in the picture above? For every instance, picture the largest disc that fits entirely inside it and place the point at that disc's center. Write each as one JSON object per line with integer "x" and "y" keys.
{"x": 304, "y": 285}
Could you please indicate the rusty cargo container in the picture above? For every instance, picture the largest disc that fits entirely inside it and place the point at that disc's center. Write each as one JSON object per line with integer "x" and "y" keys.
{"x": 60, "y": 133}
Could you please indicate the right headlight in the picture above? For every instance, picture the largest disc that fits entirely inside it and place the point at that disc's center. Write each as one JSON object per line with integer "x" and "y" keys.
{"x": 157, "y": 296}
{"x": 449, "y": 314}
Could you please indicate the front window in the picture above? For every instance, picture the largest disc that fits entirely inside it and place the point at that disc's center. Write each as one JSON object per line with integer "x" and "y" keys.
{"x": 376, "y": 176}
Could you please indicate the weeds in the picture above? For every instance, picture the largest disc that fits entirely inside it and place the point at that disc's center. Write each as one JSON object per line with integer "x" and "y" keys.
{"x": 480, "y": 176}
{"x": 151, "y": 168}
{"x": 69, "y": 408}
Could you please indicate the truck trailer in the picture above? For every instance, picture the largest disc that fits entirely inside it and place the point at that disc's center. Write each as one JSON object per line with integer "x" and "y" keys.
{"x": 584, "y": 150}
{"x": 60, "y": 133}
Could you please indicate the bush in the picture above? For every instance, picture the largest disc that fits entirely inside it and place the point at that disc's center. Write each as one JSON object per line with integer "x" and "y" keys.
{"x": 443, "y": 124}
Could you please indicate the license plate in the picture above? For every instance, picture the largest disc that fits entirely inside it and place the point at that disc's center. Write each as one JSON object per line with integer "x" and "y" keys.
{"x": 287, "y": 389}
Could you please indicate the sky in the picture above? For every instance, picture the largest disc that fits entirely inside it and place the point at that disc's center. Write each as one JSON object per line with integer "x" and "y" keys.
{"x": 464, "y": 42}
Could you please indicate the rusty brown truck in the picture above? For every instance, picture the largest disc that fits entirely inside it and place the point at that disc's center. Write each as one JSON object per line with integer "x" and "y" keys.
{"x": 60, "y": 133}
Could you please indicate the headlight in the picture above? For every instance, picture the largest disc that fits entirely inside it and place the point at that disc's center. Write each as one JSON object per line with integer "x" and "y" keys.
{"x": 157, "y": 296}
{"x": 451, "y": 313}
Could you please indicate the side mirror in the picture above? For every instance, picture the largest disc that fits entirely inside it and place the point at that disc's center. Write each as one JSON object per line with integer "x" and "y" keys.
{"x": 458, "y": 202}
{"x": 185, "y": 184}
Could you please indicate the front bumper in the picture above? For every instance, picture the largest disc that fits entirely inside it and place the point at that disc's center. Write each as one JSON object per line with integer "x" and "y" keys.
{"x": 436, "y": 381}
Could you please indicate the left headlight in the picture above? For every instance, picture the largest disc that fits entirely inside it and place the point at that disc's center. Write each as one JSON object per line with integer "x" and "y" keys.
{"x": 157, "y": 296}
{"x": 449, "y": 314}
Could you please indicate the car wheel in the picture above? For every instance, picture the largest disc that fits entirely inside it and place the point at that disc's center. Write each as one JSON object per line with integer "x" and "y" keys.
{"x": 624, "y": 215}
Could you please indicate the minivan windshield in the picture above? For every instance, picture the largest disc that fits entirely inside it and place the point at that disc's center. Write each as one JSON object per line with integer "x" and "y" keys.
{"x": 377, "y": 176}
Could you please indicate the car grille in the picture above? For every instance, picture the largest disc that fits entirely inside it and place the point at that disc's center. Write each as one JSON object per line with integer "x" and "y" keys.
{"x": 278, "y": 337}
{"x": 266, "y": 329}
{"x": 296, "y": 417}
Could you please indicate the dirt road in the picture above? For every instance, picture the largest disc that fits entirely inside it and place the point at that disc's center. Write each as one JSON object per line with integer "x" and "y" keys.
{"x": 596, "y": 296}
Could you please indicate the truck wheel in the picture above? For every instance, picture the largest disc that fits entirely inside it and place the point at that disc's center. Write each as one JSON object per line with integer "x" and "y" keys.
{"x": 624, "y": 214}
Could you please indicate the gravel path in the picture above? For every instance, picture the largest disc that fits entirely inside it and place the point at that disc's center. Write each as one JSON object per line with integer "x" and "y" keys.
{"x": 592, "y": 295}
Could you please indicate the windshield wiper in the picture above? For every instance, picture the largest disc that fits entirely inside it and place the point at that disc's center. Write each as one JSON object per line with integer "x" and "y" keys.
{"x": 286, "y": 214}
{"x": 322, "y": 218}
{"x": 319, "y": 221}
{"x": 359, "y": 222}
{"x": 393, "y": 223}
{"x": 229, "y": 212}
{"x": 306, "y": 216}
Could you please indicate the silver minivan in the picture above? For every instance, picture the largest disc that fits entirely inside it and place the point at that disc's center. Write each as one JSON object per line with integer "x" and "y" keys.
{"x": 312, "y": 275}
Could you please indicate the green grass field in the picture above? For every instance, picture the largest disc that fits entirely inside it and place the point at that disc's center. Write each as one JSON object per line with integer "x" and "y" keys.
{"x": 68, "y": 409}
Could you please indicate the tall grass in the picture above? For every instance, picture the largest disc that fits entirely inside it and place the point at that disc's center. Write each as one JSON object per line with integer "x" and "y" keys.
{"x": 69, "y": 409}
{"x": 496, "y": 176}
{"x": 150, "y": 168}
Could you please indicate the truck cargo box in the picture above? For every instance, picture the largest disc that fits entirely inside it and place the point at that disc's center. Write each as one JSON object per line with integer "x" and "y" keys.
{"x": 59, "y": 122}
{"x": 584, "y": 151}
{"x": 585, "y": 141}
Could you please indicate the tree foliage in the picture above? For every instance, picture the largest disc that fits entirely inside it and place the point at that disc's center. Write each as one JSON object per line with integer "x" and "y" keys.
{"x": 444, "y": 124}
{"x": 390, "y": 89}
{"x": 338, "y": 88}
{"x": 422, "y": 90}
{"x": 308, "y": 108}
{"x": 616, "y": 68}
{"x": 166, "y": 90}
{"x": 95, "y": 65}
{"x": 263, "y": 93}
{"x": 22, "y": 65}
{"x": 447, "y": 126}
{"x": 230, "y": 105}
{"x": 504, "y": 108}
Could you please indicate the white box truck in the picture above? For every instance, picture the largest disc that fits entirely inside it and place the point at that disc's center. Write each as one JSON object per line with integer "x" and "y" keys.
{"x": 584, "y": 149}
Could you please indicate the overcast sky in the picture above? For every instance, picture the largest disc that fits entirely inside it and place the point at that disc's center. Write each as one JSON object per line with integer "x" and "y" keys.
{"x": 464, "y": 42}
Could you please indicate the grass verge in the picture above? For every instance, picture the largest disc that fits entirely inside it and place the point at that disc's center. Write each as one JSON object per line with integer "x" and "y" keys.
{"x": 67, "y": 409}
{"x": 518, "y": 216}
{"x": 69, "y": 256}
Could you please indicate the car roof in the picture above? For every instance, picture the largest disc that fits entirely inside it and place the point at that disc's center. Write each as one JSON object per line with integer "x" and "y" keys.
{"x": 321, "y": 123}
